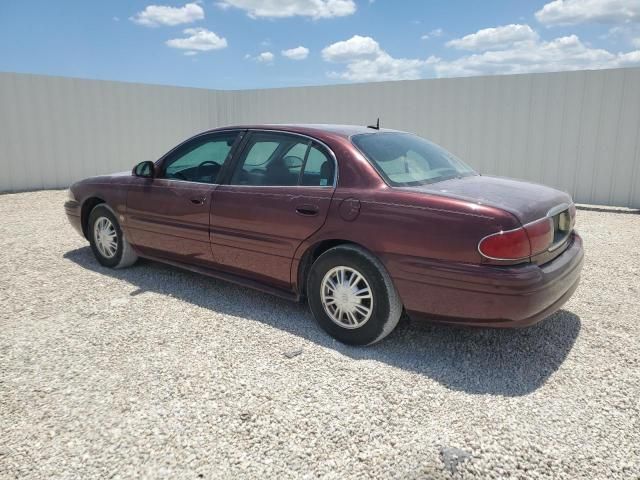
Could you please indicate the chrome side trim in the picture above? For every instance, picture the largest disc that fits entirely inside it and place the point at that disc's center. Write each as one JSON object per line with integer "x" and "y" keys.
{"x": 186, "y": 181}
{"x": 231, "y": 185}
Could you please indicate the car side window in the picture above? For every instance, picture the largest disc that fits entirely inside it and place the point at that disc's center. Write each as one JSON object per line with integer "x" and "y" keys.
{"x": 201, "y": 160}
{"x": 271, "y": 159}
{"x": 319, "y": 169}
{"x": 260, "y": 153}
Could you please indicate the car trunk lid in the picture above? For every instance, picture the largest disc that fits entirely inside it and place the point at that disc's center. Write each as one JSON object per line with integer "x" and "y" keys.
{"x": 526, "y": 201}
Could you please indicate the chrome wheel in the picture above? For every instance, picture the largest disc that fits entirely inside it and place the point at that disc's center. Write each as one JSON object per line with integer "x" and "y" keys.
{"x": 346, "y": 297}
{"x": 105, "y": 237}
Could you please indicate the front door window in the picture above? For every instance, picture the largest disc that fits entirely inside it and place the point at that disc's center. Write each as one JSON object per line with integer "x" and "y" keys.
{"x": 201, "y": 160}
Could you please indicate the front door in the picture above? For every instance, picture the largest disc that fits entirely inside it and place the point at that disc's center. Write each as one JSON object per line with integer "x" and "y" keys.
{"x": 278, "y": 195}
{"x": 168, "y": 216}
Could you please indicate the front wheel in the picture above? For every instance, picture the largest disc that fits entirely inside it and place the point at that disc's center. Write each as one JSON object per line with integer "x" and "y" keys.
{"x": 352, "y": 296}
{"x": 108, "y": 243}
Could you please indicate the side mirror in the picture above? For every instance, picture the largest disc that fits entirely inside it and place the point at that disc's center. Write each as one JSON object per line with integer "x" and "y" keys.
{"x": 144, "y": 169}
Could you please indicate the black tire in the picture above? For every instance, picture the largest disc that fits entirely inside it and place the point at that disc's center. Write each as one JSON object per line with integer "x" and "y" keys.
{"x": 386, "y": 307}
{"x": 124, "y": 255}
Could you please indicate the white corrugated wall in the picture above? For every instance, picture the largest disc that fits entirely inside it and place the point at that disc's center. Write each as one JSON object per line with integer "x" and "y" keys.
{"x": 578, "y": 131}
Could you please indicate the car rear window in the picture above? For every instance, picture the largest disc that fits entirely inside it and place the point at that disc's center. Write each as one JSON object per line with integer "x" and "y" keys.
{"x": 405, "y": 160}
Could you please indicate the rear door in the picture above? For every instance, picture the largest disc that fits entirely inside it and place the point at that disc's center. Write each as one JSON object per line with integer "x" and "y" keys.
{"x": 278, "y": 194}
{"x": 168, "y": 216}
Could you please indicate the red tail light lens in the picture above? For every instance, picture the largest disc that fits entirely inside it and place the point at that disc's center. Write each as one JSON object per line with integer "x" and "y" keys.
{"x": 520, "y": 243}
{"x": 510, "y": 245}
{"x": 540, "y": 235}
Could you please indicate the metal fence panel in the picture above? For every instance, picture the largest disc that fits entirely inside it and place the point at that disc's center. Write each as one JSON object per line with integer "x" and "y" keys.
{"x": 577, "y": 131}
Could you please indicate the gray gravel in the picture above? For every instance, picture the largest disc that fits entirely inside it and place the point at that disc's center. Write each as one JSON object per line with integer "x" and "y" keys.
{"x": 155, "y": 372}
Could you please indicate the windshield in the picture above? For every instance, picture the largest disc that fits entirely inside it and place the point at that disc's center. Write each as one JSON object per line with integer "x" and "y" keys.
{"x": 406, "y": 160}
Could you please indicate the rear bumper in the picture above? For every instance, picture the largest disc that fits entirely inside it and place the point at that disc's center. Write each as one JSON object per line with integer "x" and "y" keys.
{"x": 487, "y": 296}
{"x": 73, "y": 211}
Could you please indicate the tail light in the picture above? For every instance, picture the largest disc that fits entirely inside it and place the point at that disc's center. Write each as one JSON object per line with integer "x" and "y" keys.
{"x": 509, "y": 245}
{"x": 540, "y": 234}
{"x": 519, "y": 243}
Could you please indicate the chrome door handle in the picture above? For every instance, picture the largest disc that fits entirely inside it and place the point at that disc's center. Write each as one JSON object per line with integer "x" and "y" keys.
{"x": 307, "y": 210}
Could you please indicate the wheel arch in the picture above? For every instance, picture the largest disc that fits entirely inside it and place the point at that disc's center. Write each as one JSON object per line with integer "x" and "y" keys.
{"x": 314, "y": 251}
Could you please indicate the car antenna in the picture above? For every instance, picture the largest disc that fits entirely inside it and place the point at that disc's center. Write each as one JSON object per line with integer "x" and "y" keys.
{"x": 376, "y": 126}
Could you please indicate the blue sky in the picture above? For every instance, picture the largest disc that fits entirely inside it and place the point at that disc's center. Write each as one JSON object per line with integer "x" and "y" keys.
{"x": 238, "y": 44}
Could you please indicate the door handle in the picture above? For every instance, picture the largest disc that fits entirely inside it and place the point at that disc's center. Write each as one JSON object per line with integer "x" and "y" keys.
{"x": 198, "y": 200}
{"x": 307, "y": 210}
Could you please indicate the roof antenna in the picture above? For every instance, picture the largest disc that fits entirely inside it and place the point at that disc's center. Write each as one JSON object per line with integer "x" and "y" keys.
{"x": 376, "y": 126}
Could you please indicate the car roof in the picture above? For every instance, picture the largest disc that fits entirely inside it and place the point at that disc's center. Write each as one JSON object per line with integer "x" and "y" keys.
{"x": 311, "y": 128}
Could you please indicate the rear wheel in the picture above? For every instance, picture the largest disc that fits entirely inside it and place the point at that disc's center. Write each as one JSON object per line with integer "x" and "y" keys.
{"x": 108, "y": 242}
{"x": 352, "y": 297}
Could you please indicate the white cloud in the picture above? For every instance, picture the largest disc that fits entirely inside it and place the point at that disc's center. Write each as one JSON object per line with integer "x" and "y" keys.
{"x": 500, "y": 50}
{"x": 630, "y": 59}
{"x": 560, "y": 54}
{"x": 494, "y": 38}
{"x": 298, "y": 53}
{"x": 292, "y": 8}
{"x": 571, "y": 12}
{"x": 198, "y": 40}
{"x": 432, "y": 34}
{"x": 366, "y": 61}
{"x": 265, "y": 57}
{"x": 155, "y": 15}
{"x": 383, "y": 68}
{"x": 356, "y": 47}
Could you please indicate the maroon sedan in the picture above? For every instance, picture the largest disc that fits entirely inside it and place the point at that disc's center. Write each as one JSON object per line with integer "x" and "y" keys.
{"x": 364, "y": 223}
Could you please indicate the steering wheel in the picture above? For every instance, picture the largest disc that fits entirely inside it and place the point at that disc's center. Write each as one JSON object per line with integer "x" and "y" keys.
{"x": 208, "y": 162}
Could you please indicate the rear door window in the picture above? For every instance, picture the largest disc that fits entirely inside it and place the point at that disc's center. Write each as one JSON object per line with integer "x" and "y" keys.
{"x": 260, "y": 153}
{"x": 318, "y": 169}
{"x": 279, "y": 159}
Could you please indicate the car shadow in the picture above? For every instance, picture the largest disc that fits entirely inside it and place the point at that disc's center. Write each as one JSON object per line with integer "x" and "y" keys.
{"x": 509, "y": 362}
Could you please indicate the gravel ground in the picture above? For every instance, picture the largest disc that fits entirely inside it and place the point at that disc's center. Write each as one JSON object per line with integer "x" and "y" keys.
{"x": 156, "y": 372}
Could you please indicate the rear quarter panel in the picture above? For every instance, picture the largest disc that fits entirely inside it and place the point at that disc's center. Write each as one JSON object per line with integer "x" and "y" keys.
{"x": 410, "y": 231}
